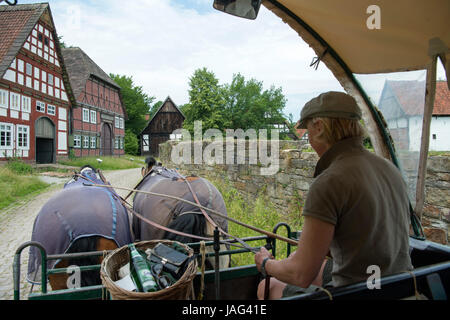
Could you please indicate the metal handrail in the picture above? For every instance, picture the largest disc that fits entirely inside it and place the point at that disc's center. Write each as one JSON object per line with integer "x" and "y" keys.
{"x": 16, "y": 267}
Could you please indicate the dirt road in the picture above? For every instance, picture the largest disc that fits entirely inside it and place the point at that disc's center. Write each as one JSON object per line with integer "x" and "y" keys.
{"x": 16, "y": 225}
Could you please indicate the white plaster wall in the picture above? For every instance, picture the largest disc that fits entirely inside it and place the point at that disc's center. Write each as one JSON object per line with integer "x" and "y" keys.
{"x": 415, "y": 133}
{"x": 440, "y": 126}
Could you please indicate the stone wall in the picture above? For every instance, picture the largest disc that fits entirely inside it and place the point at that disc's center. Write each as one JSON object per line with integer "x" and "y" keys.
{"x": 436, "y": 217}
{"x": 287, "y": 189}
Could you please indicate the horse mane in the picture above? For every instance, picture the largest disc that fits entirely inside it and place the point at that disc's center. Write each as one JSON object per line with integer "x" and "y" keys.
{"x": 88, "y": 166}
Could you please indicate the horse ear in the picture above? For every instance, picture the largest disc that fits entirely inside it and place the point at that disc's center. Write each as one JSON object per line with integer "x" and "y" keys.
{"x": 88, "y": 166}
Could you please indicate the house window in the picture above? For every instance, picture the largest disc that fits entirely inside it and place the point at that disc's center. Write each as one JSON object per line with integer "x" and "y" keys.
{"x": 85, "y": 115}
{"x": 121, "y": 123}
{"x": 15, "y": 101}
{"x": 85, "y": 142}
{"x": 23, "y": 137}
{"x": 40, "y": 106}
{"x": 51, "y": 110}
{"x": 117, "y": 123}
{"x": 26, "y": 104}
{"x": 20, "y": 65}
{"x": 121, "y": 143}
{"x": 116, "y": 143}
{"x": 6, "y": 134}
{"x": 93, "y": 116}
{"x": 4, "y": 99}
{"x": 77, "y": 141}
{"x": 434, "y": 136}
{"x": 29, "y": 69}
{"x": 50, "y": 79}
{"x": 93, "y": 142}
{"x": 36, "y": 72}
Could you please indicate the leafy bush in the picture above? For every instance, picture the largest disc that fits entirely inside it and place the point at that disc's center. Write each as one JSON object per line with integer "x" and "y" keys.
{"x": 131, "y": 143}
{"x": 16, "y": 165}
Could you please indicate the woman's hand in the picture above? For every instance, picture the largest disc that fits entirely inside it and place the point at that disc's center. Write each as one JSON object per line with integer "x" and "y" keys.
{"x": 260, "y": 256}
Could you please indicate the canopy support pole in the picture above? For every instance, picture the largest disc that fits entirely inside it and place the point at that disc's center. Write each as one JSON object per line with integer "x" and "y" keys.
{"x": 425, "y": 141}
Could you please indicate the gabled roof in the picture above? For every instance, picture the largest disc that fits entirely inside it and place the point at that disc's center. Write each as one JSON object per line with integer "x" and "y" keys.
{"x": 299, "y": 132}
{"x": 81, "y": 67}
{"x": 442, "y": 99}
{"x": 410, "y": 96}
{"x": 16, "y": 24}
{"x": 159, "y": 109}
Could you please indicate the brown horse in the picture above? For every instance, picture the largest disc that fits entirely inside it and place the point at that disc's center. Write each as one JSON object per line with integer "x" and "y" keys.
{"x": 79, "y": 218}
{"x": 173, "y": 213}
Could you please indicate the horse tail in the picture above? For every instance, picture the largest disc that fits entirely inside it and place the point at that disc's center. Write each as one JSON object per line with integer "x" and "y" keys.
{"x": 86, "y": 244}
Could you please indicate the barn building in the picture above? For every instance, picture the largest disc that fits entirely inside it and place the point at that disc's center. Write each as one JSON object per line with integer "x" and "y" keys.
{"x": 35, "y": 93}
{"x": 166, "y": 120}
{"x": 98, "y": 116}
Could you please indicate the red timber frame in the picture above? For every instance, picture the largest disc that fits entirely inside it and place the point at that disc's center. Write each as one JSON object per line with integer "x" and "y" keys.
{"x": 34, "y": 104}
{"x": 98, "y": 120}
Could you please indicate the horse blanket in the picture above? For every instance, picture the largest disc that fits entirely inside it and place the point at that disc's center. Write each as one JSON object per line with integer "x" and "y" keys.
{"x": 76, "y": 212}
{"x": 173, "y": 213}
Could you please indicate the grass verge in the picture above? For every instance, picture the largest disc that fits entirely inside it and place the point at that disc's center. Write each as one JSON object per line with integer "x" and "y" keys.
{"x": 258, "y": 212}
{"x": 106, "y": 163}
{"x": 15, "y": 186}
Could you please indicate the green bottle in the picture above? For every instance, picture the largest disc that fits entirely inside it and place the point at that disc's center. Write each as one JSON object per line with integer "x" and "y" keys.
{"x": 146, "y": 280}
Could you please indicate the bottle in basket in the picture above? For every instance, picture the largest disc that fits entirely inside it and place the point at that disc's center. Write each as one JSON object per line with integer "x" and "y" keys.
{"x": 143, "y": 273}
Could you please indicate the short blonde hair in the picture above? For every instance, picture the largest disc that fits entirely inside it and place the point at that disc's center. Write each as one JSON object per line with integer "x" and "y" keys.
{"x": 337, "y": 129}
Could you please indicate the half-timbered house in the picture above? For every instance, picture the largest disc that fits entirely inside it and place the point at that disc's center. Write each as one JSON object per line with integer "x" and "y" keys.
{"x": 401, "y": 103}
{"x": 99, "y": 115}
{"x": 164, "y": 122}
{"x": 35, "y": 95}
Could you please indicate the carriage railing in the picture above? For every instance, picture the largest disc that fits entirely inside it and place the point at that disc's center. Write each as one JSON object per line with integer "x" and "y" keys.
{"x": 84, "y": 291}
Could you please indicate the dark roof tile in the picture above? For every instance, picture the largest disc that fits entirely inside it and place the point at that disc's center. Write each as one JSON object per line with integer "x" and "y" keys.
{"x": 80, "y": 68}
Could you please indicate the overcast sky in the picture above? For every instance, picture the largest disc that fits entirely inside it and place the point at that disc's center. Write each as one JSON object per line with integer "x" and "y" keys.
{"x": 162, "y": 42}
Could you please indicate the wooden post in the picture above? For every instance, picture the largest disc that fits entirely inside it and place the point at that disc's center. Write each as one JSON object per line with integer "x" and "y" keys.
{"x": 425, "y": 141}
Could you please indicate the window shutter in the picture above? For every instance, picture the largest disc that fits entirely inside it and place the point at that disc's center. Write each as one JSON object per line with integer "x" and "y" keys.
{"x": 71, "y": 141}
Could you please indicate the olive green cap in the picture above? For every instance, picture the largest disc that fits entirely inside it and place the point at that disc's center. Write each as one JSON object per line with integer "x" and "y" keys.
{"x": 330, "y": 104}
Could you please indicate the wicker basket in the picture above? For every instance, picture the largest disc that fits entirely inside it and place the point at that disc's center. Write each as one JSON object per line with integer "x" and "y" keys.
{"x": 181, "y": 290}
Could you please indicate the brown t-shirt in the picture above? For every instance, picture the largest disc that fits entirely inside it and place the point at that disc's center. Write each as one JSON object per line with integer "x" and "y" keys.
{"x": 365, "y": 198}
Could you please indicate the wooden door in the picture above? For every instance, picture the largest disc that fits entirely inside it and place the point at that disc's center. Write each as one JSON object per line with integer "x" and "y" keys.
{"x": 106, "y": 140}
{"x": 45, "y": 140}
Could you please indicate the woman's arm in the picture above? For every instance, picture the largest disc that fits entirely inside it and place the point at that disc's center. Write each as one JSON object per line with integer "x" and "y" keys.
{"x": 302, "y": 267}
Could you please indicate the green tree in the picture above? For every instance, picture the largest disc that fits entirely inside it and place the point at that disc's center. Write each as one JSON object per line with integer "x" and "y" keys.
{"x": 155, "y": 108}
{"x": 248, "y": 105}
{"x": 137, "y": 103}
{"x": 206, "y": 102}
{"x": 131, "y": 142}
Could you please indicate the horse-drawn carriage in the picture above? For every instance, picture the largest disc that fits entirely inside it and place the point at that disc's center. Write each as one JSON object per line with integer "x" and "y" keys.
{"x": 364, "y": 55}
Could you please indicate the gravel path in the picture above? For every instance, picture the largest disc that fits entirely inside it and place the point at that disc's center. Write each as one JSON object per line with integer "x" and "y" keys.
{"x": 16, "y": 224}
